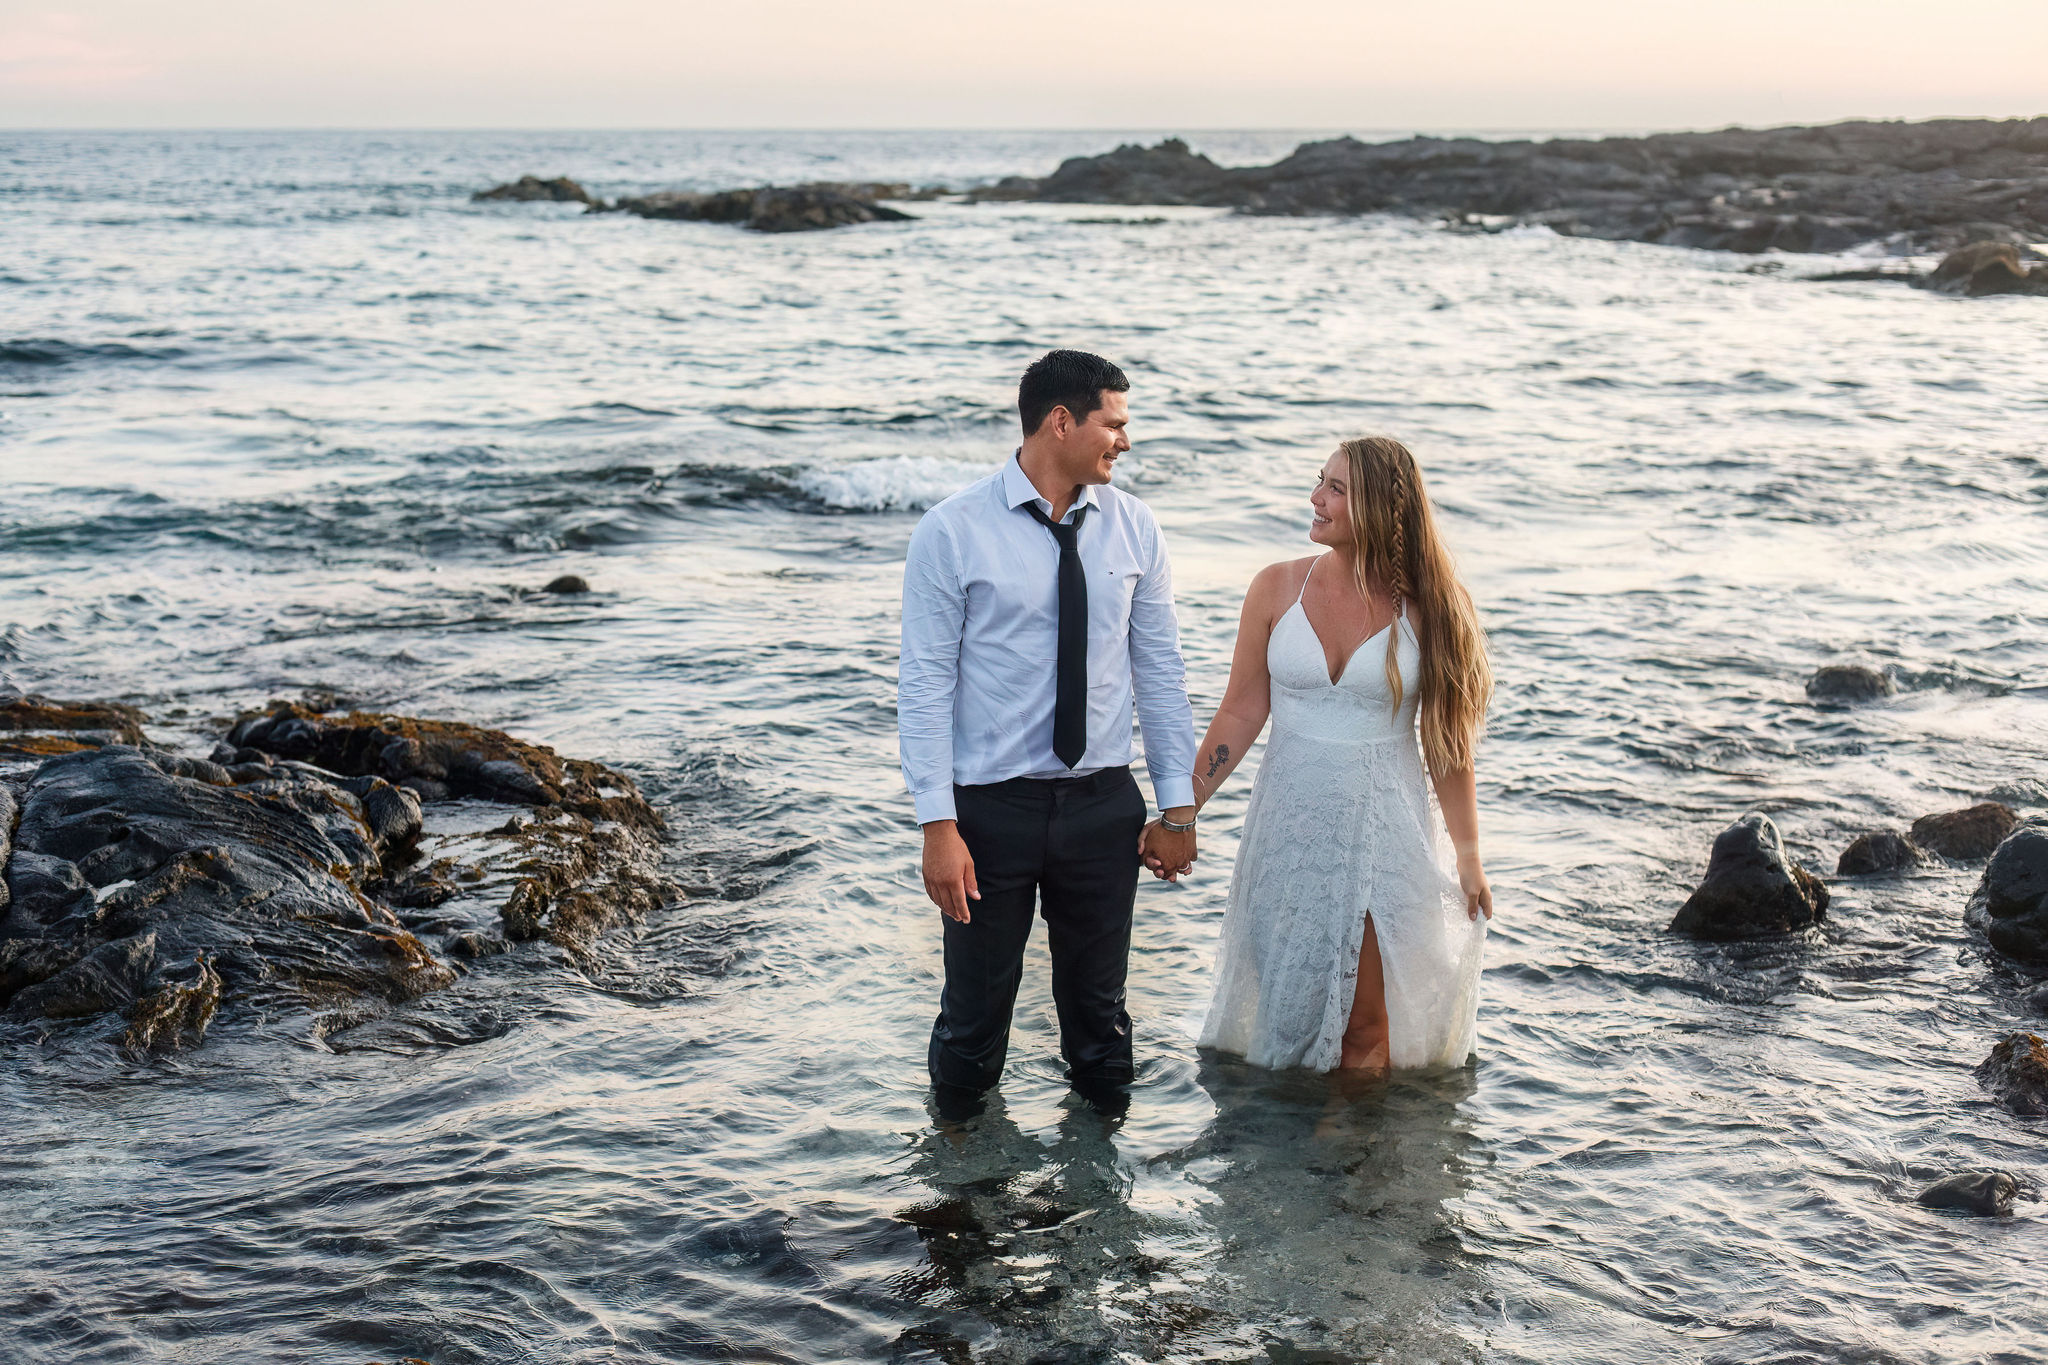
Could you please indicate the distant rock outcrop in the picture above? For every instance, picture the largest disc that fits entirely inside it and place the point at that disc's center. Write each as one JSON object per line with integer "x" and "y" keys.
{"x": 1989, "y": 268}
{"x": 1751, "y": 888}
{"x": 1915, "y": 187}
{"x": 1973, "y": 271}
{"x": 296, "y": 867}
{"x": 529, "y": 188}
{"x": 796, "y": 208}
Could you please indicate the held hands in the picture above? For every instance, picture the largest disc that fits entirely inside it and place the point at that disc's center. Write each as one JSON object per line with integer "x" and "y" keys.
{"x": 1472, "y": 882}
{"x": 949, "y": 870}
{"x": 1169, "y": 853}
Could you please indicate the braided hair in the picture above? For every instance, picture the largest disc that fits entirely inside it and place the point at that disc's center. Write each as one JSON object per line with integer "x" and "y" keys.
{"x": 1395, "y": 546}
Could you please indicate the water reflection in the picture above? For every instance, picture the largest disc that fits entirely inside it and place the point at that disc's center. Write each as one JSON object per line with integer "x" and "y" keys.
{"x": 1332, "y": 1206}
{"x": 1306, "y": 1220}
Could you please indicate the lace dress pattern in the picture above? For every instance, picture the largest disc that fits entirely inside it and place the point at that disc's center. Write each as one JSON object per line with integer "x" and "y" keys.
{"x": 1342, "y": 827}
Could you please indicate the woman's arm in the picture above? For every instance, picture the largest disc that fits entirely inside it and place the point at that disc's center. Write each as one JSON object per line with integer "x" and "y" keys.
{"x": 1246, "y": 700}
{"x": 1248, "y": 697}
{"x": 1457, "y": 794}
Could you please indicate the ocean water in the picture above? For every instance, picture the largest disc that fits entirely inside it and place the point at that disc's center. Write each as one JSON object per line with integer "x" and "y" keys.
{"x": 287, "y": 412}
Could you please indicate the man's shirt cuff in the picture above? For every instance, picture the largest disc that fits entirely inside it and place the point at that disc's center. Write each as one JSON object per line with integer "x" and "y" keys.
{"x": 937, "y": 804}
{"x": 1174, "y": 791}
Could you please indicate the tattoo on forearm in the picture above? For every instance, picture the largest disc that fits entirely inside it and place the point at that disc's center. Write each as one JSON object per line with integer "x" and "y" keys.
{"x": 1216, "y": 760}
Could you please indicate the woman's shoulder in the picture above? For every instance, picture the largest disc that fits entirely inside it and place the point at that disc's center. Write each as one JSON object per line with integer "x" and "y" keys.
{"x": 1285, "y": 574}
{"x": 1275, "y": 587}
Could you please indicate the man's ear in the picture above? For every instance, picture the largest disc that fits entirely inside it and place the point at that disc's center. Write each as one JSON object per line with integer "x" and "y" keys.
{"x": 1062, "y": 421}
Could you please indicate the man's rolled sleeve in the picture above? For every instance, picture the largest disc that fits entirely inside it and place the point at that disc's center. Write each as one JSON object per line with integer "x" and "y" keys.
{"x": 1159, "y": 681}
{"x": 928, "y": 672}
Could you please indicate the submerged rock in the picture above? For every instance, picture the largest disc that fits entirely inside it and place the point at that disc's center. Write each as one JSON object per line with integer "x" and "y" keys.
{"x": 1987, "y": 1193}
{"x": 1965, "y": 835}
{"x": 2016, "y": 1074}
{"x": 1751, "y": 888}
{"x": 1879, "y": 851}
{"x": 771, "y": 208}
{"x": 1849, "y": 682}
{"x": 530, "y": 188}
{"x": 2011, "y": 902}
{"x": 2035, "y": 1001}
{"x": 567, "y": 583}
{"x": 156, "y": 888}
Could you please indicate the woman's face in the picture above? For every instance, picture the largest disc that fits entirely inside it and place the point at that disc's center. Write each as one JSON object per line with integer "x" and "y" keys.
{"x": 1331, "y": 524}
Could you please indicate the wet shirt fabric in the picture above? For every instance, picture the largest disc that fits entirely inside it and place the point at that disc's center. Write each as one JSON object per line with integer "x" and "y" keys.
{"x": 977, "y": 681}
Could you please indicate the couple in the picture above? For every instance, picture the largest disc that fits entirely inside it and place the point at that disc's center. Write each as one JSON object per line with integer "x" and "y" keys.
{"x": 1038, "y": 607}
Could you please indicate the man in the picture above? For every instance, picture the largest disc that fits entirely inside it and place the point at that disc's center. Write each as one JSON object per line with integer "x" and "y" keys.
{"x": 1037, "y": 604}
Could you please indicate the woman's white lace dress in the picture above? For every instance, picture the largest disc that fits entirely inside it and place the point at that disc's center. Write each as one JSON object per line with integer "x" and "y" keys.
{"x": 1341, "y": 826}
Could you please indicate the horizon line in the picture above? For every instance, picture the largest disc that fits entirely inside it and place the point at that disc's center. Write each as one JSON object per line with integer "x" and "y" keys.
{"x": 1631, "y": 130}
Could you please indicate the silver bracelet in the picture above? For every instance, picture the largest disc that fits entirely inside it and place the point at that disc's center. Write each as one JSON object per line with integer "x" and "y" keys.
{"x": 1165, "y": 823}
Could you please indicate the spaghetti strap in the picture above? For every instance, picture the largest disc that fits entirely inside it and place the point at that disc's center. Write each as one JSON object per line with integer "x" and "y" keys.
{"x": 1305, "y": 578}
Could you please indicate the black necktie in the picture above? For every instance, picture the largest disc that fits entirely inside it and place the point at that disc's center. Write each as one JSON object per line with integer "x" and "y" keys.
{"x": 1070, "y": 695}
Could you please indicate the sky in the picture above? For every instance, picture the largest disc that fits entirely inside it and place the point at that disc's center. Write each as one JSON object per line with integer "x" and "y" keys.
{"x": 1142, "y": 64}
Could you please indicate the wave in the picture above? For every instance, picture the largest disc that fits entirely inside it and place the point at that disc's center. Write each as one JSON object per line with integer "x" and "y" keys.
{"x": 49, "y": 352}
{"x": 894, "y": 483}
{"x": 453, "y": 508}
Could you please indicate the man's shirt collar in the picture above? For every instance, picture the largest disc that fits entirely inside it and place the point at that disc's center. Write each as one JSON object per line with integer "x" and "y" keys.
{"x": 1018, "y": 490}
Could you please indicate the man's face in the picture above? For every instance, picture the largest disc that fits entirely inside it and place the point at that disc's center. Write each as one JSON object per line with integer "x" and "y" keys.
{"x": 1094, "y": 443}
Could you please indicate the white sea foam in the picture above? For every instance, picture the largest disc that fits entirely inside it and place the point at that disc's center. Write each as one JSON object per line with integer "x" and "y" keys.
{"x": 894, "y": 483}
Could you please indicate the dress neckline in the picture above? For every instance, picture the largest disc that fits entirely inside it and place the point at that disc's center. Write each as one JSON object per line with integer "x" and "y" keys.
{"x": 1322, "y": 653}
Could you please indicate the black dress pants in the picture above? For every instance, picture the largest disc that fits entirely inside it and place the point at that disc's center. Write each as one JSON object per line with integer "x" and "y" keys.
{"x": 1071, "y": 845}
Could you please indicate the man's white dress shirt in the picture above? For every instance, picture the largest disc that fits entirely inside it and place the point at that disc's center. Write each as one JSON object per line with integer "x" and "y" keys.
{"x": 975, "y": 691}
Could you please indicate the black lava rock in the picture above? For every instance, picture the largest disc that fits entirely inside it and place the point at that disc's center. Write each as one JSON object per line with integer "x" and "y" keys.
{"x": 530, "y": 188}
{"x": 1751, "y": 888}
{"x": 474, "y": 945}
{"x": 1849, "y": 682}
{"x": 1965, "y": 835}
{"x": 1986, "y": 1193}
{"x": 2016, "y": 1074}
{"x": 1929, "y": 186}
{"x": 772, "y": 208}
{"x": 2011, "y": 902}
{"x": 184, "y": 873}
{"x": 1879, "y": 851}
{"x": 1982, "y": 268}
{"x": 151, "y": 886}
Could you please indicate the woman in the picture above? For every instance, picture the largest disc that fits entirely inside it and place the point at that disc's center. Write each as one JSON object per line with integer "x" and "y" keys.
{"x": 1345, "y": 945}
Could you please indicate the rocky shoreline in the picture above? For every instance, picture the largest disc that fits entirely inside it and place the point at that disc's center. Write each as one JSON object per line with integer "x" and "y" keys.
{"x": 1914, "y": 188}
{"x": 1752, "y": 889}
{"x": 1975, "y": 189}
{"x": 320, "y": 863}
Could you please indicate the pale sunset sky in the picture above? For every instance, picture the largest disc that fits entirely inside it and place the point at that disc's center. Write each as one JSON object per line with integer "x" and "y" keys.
{"x": 1143, "y": 64}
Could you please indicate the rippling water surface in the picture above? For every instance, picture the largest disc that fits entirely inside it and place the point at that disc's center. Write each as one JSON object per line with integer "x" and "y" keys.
{"x": 280, "y": 413}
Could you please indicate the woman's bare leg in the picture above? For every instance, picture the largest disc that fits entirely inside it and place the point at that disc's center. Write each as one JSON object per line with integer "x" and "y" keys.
{"x": 1365, "y": 1035}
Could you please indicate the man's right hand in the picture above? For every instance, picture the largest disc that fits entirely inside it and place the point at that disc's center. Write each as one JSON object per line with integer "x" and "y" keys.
{"x": 949, "y": 870}
{"x": 1169, "y": 853}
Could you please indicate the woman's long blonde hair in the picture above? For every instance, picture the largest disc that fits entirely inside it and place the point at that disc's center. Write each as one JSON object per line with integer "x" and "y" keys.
{"x": 1395, "y": 544}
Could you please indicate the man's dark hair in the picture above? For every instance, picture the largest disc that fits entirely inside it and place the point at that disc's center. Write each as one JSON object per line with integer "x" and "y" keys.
{"x": 1074, "y": 380}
